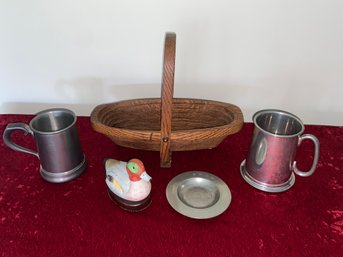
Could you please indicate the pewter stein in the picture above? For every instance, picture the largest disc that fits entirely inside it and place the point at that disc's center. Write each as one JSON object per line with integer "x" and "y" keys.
{"x": 270, "y": 164}
{"x": 58, "y": 146}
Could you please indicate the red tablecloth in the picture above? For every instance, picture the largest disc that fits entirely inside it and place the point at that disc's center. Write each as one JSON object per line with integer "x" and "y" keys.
{"x": 78, "y": 219}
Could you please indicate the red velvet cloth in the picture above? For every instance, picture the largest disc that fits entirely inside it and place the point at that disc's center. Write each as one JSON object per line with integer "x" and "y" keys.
{"x": 77, "y": 218}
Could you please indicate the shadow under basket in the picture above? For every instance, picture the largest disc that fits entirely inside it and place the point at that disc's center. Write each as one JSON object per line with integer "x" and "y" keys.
{"x": 167, "y": 124}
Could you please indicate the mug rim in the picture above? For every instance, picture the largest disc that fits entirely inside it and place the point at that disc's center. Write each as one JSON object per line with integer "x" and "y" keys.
{"x": 52, "y": 110}
{"x": 282, "y": 112}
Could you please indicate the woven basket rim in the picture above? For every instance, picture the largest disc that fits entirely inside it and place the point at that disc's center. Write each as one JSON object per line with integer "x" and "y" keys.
{"x": 96, "y": 122}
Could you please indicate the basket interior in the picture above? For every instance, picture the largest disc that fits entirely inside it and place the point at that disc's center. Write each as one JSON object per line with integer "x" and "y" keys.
{"x": 186, "y": 115}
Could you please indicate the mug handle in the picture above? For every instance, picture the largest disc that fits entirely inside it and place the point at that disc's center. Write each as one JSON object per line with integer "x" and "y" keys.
{"x": 315, "y": 158}
{"x": 8, "y": 141}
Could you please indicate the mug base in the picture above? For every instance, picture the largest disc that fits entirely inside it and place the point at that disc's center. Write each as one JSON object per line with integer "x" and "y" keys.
{"x": 66, "y": 176}
{"x": 271, "y": 188}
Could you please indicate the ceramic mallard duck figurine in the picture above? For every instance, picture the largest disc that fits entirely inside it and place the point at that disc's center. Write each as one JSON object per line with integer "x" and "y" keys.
{"x": 128, "y": 184}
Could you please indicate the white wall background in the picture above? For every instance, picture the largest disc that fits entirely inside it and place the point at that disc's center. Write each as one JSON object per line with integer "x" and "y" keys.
{"x": 257, "y": 54}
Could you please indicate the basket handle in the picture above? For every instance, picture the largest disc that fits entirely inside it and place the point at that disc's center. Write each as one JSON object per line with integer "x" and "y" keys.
{"x": 167, "y": 98}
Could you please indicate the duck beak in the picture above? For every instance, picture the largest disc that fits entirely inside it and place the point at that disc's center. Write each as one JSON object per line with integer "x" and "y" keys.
{"x": 145, "y": 176}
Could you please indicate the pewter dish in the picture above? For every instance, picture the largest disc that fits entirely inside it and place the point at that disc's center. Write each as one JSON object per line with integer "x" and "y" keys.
{"x": 198, "y": 194}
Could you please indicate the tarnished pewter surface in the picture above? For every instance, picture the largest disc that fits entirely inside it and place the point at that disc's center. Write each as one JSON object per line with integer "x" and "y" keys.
{"x": 198, "y": 194}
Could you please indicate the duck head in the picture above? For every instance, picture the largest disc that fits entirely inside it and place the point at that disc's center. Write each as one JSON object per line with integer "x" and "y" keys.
{"x": 136, "y": 170}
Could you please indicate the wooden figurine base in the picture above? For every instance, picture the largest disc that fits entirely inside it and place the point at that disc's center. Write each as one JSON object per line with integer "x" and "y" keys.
{"x": 132, "y": 206}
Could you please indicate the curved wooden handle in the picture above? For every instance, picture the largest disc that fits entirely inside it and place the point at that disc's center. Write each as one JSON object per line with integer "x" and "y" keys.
{"x": 167, "y": 98}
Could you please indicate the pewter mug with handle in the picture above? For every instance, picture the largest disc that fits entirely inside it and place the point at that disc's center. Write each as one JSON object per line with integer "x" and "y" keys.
{"x": 58, "y": 146}
{"x": 270, "y": 164}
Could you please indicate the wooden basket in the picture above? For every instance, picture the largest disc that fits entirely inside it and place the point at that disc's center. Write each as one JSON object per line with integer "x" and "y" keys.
{"x": 167, "y": 124}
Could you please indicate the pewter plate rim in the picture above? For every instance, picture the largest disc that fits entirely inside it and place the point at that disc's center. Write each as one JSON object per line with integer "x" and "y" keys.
{"x": 214, "y": 210}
